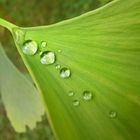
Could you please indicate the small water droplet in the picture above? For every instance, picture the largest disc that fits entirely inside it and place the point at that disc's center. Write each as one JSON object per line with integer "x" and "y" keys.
{"x": 76, "y": 103}
{"x": 57, "y": 66}
{"x": 70, "y": 93}
{"x": 43, "y": 44}
{"x": 47, "y": 57}
{"x": 65, "y": 73}
{"x": 112, "y": 114}
{"x": 87, "y": 95}
{"x": 29, "y": 47}
{"x": 59, "y": 51}
{"x": 19, "y": 35}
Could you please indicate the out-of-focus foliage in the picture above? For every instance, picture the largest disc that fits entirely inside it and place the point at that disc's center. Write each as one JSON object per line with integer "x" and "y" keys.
{"x": 42, "y": 132}
{"x": 34, "y": 12}
{"x": 21, "y": 100}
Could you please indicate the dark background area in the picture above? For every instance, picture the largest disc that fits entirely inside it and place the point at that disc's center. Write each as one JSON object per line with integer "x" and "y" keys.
{"x": 35, "y": 13}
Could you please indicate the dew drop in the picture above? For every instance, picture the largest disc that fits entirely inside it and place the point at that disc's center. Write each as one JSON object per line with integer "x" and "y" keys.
{"x": 57, "y": 66}
{"x": 76, "y": 103}
{"x": 18, "y": 35}
{"x": 112, "y": 114}
{"x": 59, "y": 51}
{"x": 29, "y": 47}
{"x": 47, "y": 57}
{"x": 65, "y": 73}
{"x": 87, "y": 95}
{"x": 71, "y": 93}
{"x": 43, "y": 44}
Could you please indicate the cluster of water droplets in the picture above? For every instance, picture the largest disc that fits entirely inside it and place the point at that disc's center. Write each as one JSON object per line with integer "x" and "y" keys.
{"x": 85, "y": 96}
{"x": 31, "y": 47}
{"x": 47, "y": 57}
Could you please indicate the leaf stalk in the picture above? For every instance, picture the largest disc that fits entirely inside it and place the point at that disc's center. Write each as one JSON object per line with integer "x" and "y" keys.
{"x": 7, "y": 24}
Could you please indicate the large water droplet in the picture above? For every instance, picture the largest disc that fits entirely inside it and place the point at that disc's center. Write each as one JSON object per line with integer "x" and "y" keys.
{"x": 29, "y": 47}
{"x": 65, "y": 73}
{"x": 57, "y": 66}
{"x": 47, "y": 57}
{"x": 70, "y": 93}
{"x": 43, "y": 44}
{"x": 112, "y": 114}
{"x": 87, "y": 95}
{"x": 76, "y": 103}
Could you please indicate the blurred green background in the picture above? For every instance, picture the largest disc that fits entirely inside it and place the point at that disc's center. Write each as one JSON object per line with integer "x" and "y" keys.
{"x": 35, "y": 13}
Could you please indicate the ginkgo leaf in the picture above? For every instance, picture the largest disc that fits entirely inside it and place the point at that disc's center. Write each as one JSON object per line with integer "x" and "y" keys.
{"x": 99, "y": 55}
{"x": 22, "y": 102}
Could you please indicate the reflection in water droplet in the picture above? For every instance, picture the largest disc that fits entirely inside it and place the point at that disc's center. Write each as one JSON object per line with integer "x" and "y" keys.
{"x": 112, "y": 114}
{"x": 70, "y": 93}
{"x": 47, "y": 57}
{"x": 76, "y": 103}
{"x": 29, "y": 47}
{"x": 87, "y": 95}
{"x": 43, "y": 44}
{"x": 57, "y": 66}
{"x": 65, "y": 73}
{"x": 40, "y": 53}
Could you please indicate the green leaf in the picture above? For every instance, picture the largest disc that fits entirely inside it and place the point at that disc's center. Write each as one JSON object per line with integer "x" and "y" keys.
{"x": 102, "y": 50}
{"x": 22, "y": 102}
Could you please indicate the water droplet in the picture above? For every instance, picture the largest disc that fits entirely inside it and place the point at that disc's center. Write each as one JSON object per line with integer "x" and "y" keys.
{"x": 29, "y": 47}
{"x": 19, "y": 35}
{"x": 76, "y": 103}
{"x": 59, "y": 51}
{"x": 70, "y": 93}
{"x": 57, "y": 66}
{"x": 87, "y": 95}
{"x": 47, "y": 57}
{"x": 65, "y": 73}
{"x": 43, "y": 44}
{"x": 112, "y": 114}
